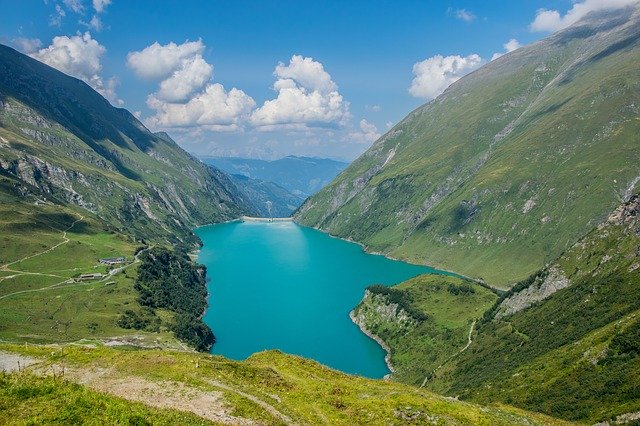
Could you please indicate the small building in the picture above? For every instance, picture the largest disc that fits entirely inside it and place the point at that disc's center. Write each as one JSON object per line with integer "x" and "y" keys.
{"x": 89, "y": 277}
{"x": 113, "y": 260}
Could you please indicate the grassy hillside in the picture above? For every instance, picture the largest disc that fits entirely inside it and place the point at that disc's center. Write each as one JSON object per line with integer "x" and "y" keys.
{"x": 62, "y": 140}
{"x": 269, "y": 387}
{"x": 424, "y": 321}
{"x": 44, "y": 246}
{"x": 509, "y": 166}
{"x": 574, "y": 354}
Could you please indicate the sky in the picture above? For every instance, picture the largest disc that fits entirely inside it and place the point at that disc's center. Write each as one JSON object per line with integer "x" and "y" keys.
{"x": 266, "y": 79}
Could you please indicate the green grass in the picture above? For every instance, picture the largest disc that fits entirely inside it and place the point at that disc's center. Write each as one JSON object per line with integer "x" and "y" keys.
{"x": 453, "y": 197}
{"x": 303, "y": 390}
{"x": 557, "y": 356}
{"x": 36, "y": 302}
{"x": 28, "y": 399}
{"x": 420, "y": 347}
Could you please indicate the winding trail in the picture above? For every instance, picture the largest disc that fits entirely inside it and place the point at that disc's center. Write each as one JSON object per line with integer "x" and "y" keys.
{"x": 65, "y": 239}
{"x": 426, "y": 378}
{"x": 163, "y": 394}
{"x": 270, "y": 408}
{"x": 71, "y": 283}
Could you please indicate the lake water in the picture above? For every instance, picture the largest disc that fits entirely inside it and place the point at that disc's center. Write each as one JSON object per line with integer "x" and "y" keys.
{"x": 282, "y": 286}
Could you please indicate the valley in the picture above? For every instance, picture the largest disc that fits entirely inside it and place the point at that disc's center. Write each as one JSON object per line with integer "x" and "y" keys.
{"x": 477, "y": 263}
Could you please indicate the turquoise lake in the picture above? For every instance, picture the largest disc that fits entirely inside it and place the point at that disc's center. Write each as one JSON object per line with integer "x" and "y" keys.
{"x": 278, "y": 285}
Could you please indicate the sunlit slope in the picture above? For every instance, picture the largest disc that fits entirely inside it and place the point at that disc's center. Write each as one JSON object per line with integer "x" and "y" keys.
{"x": 508, "y": 167}
{"x": 268, "y": 388}
{"x": 62, "y": 139}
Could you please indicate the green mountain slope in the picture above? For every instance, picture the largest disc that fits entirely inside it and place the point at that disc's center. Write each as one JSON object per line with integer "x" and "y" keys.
{"x": 509, "y": 166}
{"x": 565, "y": 341}
{"x": 63, "y": 140}
{"x": 267, "y": 388}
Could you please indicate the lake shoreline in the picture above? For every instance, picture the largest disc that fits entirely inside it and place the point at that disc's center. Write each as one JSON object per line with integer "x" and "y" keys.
{"x": 379, "y": 341}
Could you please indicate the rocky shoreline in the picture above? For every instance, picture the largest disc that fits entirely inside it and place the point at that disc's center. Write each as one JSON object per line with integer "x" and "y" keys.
{"x": 387, "y": 349}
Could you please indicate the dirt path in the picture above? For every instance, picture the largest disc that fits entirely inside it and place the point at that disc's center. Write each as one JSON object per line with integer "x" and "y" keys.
{"x": 70, "y": 281}
{"x": 426, "y": 379}
{"x": 270, "y": 408}
{"x": 210, "y": 405}
{"x": 65, "y": 241}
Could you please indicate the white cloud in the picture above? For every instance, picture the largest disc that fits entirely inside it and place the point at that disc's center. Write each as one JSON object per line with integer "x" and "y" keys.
{"x": 307, "y": 97}
{"x": 159, "y": 62}
{"x": 26, "y": 45}
{"x": 307, "y": 72}
{"x": 193, "y": 75}
{"x": 368, "y": 132}
{"x": 75, "y": 5}
{"x": 79, "y": 56}
{"x": 95, "y": 23}
{"x": 462, "y": 14}
{"x": 374, "y": 108}
{"x": 101, "y": 5}
{"x": 509, "y": 46}
{"x": 55, "y": 19}
{"x": 214, "y": 107}
{"x": 551, "y": 20}
{"x": 435, "y": 74}
{"x": 186, "y": 95}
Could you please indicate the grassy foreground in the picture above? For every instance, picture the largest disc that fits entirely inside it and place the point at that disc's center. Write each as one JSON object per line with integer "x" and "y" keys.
{"x": 269, "y": 387}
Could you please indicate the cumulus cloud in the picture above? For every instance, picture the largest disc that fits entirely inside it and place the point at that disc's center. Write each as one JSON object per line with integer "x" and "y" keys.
{"x": 214, "y": 107}
{"x": 186, "y": 95}
{"x": 100, "y": 5}
{"x": 159, "y": 62}
{"x": 26, "y": 45}
{"x": 79, "y": 56}
{"x": 509, "y": 46}
{"x": 551, "y": 20}
{"x": 191, "y": 77}
{"x": 307, "y": 97}
{"x": 435, "y": 74}
{"x": 368, "y": 132}
{"x": 374, "y": 108}
{"x": 461, "y": 14}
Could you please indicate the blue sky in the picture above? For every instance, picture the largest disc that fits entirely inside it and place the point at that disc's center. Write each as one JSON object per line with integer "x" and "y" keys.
{"x": 347, "y": 68}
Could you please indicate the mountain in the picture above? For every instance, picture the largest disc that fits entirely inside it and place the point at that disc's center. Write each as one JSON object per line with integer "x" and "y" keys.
{"x": 509, "y": 166}
{"x": 268, "y": 198}
{"x": 61, "y": 141}
{"x": 565, "y": 341}
{"x": 302, "y": 176}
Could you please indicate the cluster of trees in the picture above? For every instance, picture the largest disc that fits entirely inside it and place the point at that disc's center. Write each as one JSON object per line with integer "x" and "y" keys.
{"x": 169, "y": 280}
{"x": 463, "y": 289}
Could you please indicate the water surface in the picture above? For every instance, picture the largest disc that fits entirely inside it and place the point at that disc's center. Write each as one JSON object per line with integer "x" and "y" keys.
{"x": 283, "y": 286}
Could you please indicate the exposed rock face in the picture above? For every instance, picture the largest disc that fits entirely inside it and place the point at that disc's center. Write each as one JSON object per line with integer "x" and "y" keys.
{"x": 65, "y": 143}
{"x": 539, "y": 290}
{"x": 375, "y": 312}
{"x": 627, "y": 213}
